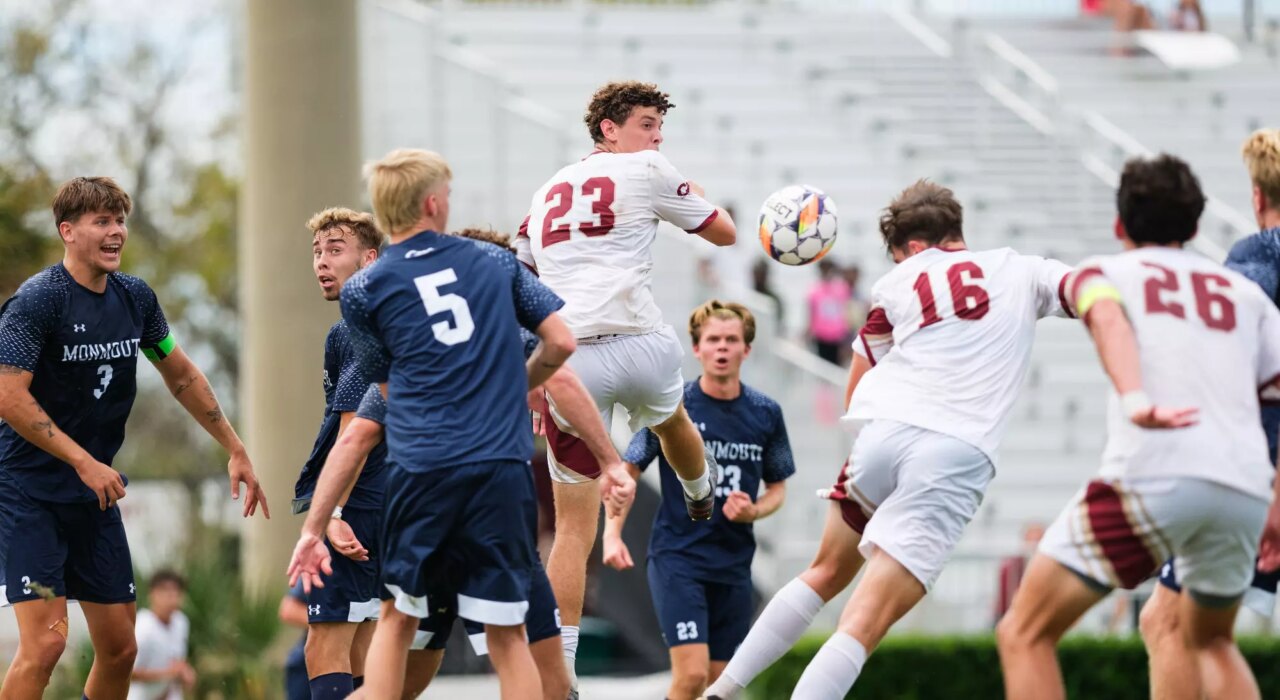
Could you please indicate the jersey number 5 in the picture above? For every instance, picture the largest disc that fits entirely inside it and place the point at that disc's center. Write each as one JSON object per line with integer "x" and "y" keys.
{"x": 429, "y": 288}
{"x": 601, "y": 189}
{"x": 968, "y": 298}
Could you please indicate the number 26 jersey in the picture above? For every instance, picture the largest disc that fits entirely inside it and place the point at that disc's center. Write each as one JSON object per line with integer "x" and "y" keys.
{"x": 590, "y": 232}
{"x": 949, "y": 336}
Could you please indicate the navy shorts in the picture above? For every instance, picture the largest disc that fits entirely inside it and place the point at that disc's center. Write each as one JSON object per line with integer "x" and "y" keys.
{"x": 350, "y": 593}
{"x": 693, "y": 611}
{"x": 1260, "y": 596}
{"x": 542, "y": 622}
{"x": 469, "y": 529}
{"x": 57, "y": 550}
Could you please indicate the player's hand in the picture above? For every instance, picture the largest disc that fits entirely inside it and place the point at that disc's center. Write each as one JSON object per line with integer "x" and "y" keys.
{"x": 104, "y": 481}
{"x": 188, "y": 675}
{"x": 538, "y": 407}
{"x": 616, "y": 554}
{"x": 697, "y": 189}
{"x": 1160, "y": 418}
{"x": 240, "y": 469}
{"x": 310, "y": 560}
{"x": 617, "y": 489}
{"x": 343, "y": 539}
{"x": 739, "y": 507}
{"x": 1269, "y": 549}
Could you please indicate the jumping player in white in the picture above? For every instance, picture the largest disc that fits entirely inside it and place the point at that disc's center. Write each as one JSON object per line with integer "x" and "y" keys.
{"x": 588, "y": 235}
{"x": 949, "y": 336}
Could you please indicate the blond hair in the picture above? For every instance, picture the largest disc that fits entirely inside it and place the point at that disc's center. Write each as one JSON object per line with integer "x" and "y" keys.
{"x": 399, "y": 182}
{"x": 726, "y": 310}
{"x": 83, "y": 195}
{"x": 487, "y": 235}
{"x": 357, "y": 223}
{"x": 1262, "y": 157}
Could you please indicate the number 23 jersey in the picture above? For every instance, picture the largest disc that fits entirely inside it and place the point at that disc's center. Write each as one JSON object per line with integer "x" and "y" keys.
{"x": 949, "y": 336}
{"x": 589, "y": 234}
{"x": 1208, "y": 338}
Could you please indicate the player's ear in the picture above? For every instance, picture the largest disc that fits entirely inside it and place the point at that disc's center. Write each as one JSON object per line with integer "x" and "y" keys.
{"x": 64, "y": 232}
{"x": 1260, "y": 203}
{"x": 610, "y": 129}
{"x": 1121, "y": 234}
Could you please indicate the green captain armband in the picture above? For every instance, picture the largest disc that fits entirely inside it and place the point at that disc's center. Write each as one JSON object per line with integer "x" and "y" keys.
{"x": 160, "y": 350}
{"x": 1093, "y": 293}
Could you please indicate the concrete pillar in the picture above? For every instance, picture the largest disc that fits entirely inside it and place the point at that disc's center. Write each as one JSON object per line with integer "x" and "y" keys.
{"x": 302, "y": 154}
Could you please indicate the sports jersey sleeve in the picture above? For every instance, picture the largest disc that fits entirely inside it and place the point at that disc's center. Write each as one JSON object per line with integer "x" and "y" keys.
{"x": 371, "y": 356}
{"x": 373, "y": 405}
{"x": 26, "y": 322}
{"x": 1049, "y": 278}
{"x": 674, "y": 200}
{"x": 875, "y": 339}
{"x": 157, "y": 340}
{"x": 643, "y": 449}
{"x": 534, "y": 300}
{"x": 351, "y": 385}
{"x": 1258, "y": 258}
{"x": 524, "y": 247}
{"x": 1087, "y": 285}
{"x": 779, "y": 464}
{"x": 529, "y": 341}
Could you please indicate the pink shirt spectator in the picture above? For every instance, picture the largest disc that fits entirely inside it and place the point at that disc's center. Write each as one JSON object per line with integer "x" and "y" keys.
{"x": 828, "y": 311}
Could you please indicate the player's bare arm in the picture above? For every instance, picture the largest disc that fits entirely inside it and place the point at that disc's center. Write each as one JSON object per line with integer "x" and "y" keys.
{"x": 192, "y": 389}
{"x": 23, "y": 413}
{"x": 739, "y": 507}
{"x": 575, "y": 405}
{"x": 339, "y": 532}
{"x": 860, "y": 366}
{"x": 557, "y": 345}
{"x": 721, "y": 231}
{"x": 615, "y": 549}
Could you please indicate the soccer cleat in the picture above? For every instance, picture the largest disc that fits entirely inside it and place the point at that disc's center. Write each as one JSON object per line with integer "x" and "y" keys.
{"x": 702, "y": 508}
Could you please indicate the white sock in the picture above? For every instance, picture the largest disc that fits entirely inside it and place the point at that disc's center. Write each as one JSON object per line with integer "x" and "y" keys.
{"x": 833, "y": 670}
{"x": 569, "y": 640}
{"x": 697, "y": 488}
{"x": 780, "y": 626}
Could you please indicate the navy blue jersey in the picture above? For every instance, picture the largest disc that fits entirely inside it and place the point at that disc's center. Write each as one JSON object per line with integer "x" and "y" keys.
{"x": 373, "y": 406}
{"x": 749, "y": 439}
{"x": 436, "y": 318}
{"x": 82, "y": 349}
{"x": 1258, "y": 258}
{"x": 344, "y": 387}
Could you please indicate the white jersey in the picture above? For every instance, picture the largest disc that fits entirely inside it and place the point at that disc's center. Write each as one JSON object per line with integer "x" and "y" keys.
{"x": 1209, "y": 338}
{"x": 589, "y": 234}
{"x": 949, "y": 334}
{"x": 159, "y": 645}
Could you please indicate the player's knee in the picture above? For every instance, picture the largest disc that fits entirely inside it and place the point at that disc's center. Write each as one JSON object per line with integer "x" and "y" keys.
{"x": 689, "y": 682}
{"x": 827, "y": 578}
{"x": 40, "y": 655}
{"x": 1157, "y": 624}
{"x": 1013, "y": 635}
{"x": 119, "y": 654}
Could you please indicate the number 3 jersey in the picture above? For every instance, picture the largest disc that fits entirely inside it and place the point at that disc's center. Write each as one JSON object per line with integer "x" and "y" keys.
{"x": 1208, "y": 338}
{"x": 82, "y": 349}
{"x": 949, "y": 336}
{"x": 589, "y": 233}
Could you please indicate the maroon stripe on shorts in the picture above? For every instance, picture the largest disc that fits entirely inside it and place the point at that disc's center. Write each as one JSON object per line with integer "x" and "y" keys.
{"x": 570, "y": 451}
{"x": 1115, "y": 535}
{"x": 850, "y": 510}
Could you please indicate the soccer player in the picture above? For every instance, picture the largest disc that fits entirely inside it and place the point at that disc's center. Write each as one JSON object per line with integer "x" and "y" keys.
{"x": 589, "y": 236}
{"x": 700, "y": 576}
{"x": 69, "y": 342}
{"x": 1199, "y": 494}
{"x": 949, "y": 336}
{"x": 435, "y": 322}
{"x": 341, "y": 615}
{"x": 1258, "y": 258}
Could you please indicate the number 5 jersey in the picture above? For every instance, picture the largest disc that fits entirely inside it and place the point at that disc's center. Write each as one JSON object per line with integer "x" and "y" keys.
{"x": 949, "y": 336}
{"x": 82, "y": 349}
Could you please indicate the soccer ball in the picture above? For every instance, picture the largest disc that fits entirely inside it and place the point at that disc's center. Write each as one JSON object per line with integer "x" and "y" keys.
{"x": 797, "y": 224}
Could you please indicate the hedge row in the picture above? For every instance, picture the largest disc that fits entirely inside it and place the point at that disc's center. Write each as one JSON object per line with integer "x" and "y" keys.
{"x": 925, "y": 668}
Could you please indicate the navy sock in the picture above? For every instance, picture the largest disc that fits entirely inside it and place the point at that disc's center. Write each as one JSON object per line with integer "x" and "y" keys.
{"x": 357, "y": 681}
{"x": 331, "y": 686}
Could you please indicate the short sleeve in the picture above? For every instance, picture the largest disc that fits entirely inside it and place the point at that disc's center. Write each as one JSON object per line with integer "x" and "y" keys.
{"x": 643, "y": 449}
{"x": 157, "y": 341}
{"x": 371, "y": 356}
{"x": 524, "y": 247}
{"x": 534, "y": 300}
{"x": 351, "y": 385}
{"x": 26, "y": 322}
{"x": 875, "y": 340}
{"x": 373, "y": 405}
{"x": 1087, "y": 285}
{"x": 1049, "y": 279}
{"x": 779, "y": 463}
{"x": 1258, "y": 258}
{"x": 529, "y": 341}
{"x": 674, "y": 200}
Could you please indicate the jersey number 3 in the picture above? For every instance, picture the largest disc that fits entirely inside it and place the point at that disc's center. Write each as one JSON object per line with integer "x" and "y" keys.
{"x": 429, "y": 288}
{"x": 970, "y": 301}
{"x": 600, "y": 189}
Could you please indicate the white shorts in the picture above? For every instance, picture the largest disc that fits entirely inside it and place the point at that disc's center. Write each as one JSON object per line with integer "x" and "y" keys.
{"x": 1118, "y": 533}
{"x": 917, "y": 490}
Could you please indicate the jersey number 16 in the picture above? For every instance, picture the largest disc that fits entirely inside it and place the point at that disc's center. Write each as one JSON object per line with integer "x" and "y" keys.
{"x": 970, "y": 301}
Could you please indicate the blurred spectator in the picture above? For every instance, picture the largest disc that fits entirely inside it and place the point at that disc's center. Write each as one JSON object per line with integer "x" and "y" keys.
{"x": 857, "y": 310}
{"x": 1188, "y": 17}
{"x": 161, "y": 671}
{"x": 293, "y": 612}
{"x": 1012, "y": 568}
{"x": 760, "y": 282}
{"x": 828, "y": 312}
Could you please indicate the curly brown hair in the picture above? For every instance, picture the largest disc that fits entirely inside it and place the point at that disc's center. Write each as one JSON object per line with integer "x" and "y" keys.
{"x": 487, "y": 235}
{"x": 359, "y": 225}
{"x": 926, "y": 212}
{"x": 727, "y": 310}
{"x": 616, "y": 100}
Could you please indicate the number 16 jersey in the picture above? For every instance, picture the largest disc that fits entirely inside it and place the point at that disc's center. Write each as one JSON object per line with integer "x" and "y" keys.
{"x": 949, "y": 336}
{"x": 589, "y": 234}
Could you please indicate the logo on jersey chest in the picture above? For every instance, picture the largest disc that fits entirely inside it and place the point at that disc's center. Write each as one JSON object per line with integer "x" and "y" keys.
{"x": 89, "y": 352}
{"x": 739, "y": 451}
{"x": 78, "y": 328}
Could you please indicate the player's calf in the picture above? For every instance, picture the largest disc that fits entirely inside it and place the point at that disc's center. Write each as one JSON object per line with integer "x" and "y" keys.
{"x": 517, "y": 673}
